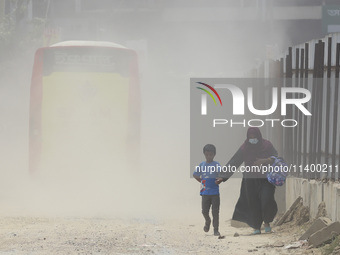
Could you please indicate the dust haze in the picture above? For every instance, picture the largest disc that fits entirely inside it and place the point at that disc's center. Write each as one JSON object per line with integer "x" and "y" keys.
{"x": 159, "y": 186}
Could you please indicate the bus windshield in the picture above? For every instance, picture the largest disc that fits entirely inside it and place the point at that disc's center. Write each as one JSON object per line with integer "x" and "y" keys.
{"x": 81, "y": 107}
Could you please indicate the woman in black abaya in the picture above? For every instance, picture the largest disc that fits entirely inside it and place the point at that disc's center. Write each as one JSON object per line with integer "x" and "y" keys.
{"x": 256, "y": 204}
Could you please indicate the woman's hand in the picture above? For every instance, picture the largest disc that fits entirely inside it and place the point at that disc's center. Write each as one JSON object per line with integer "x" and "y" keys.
{"x": 218, "y": 180}
{"x": 262, "y": 161}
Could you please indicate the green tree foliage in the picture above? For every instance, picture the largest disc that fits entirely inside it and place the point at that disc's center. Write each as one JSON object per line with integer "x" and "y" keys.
{"x": 16, "y": 32}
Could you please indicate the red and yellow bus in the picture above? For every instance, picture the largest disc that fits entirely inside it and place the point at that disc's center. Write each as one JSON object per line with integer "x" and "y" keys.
{"x": 84, "y": 106}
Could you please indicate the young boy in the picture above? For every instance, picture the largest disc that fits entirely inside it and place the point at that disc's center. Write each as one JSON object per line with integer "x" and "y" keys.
{"x": 206, "y": 174}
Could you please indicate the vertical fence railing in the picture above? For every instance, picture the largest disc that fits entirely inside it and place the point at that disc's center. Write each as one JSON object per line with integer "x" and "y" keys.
{"x": 328, "y": 104}
{"x": 335, "y": 115}
{"x": 305, "y": 120}
{"x": 295, "y": 110}
{"x": 288, "y": 133}
{"x": 315, "y": 140}
{"x": 319, "y": 122}
{"x": 300, "y": 118}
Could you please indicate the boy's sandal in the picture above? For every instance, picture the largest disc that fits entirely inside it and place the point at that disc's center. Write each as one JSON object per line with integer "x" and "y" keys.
{"x": 257, "y": 232}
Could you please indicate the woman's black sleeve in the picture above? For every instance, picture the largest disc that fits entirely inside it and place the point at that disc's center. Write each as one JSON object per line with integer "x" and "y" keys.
{"x": 274, "y": 151}
{"x": 233, "y": 163}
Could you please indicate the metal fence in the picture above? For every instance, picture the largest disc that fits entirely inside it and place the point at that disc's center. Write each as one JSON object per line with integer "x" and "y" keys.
{"x": 313, "y": 146}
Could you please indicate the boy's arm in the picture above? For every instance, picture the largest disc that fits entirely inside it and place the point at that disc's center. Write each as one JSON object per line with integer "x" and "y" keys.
{"x": 197, "y": 174}
{"x": 197, "y": 178}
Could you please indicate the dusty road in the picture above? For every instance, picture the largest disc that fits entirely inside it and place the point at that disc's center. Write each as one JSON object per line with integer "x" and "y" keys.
{"x": 27, "y": 235}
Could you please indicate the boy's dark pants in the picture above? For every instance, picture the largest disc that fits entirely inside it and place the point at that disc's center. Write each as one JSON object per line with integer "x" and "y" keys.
{"x": 214, "y": 201}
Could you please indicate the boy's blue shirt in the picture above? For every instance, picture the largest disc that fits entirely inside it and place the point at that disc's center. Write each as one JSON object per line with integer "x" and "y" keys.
{"x": 208, "y": 185}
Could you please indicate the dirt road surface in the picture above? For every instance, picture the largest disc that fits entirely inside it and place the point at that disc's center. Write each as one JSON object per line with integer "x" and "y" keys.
{"x": 27, "y": 235}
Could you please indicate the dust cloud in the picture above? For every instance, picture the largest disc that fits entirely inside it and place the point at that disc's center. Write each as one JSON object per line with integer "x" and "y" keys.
{"x": 159, "y": 184}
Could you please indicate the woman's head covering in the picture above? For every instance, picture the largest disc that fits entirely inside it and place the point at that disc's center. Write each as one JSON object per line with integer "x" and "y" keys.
{"x": 252, "y": 151}
{"x": 254, "y": 131}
